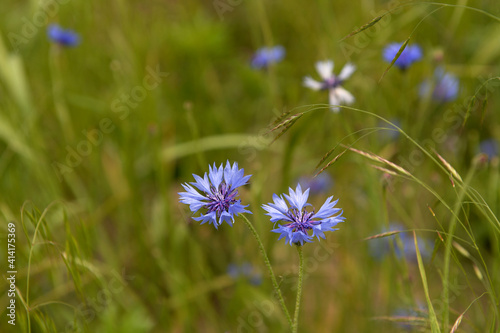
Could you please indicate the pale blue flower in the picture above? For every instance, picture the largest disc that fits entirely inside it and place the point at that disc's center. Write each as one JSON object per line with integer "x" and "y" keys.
{"x": 489, "y": 147}
{"x": 319, "y": 184}
{"x": 298, "y": 221}
{"x": 411, "y": 319}
{"x": 402, "y": 243}
{"x": 389, "y": 132}
{"x": 410, "y": 54}
{"x": 446, "y": 86}
{"x": 245, "y": 270}
{"x": 218, "y": 197}
{"x": 267, "y": 55}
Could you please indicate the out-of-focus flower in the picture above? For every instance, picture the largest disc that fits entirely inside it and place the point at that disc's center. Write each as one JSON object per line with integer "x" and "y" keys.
{"x": 218, "y": 194}
{"x": 319, "y": 184}
{"x": 410, "y": 54}
{"x": 389, "y": 132}
{"x": 402, "y": 243}
{"x": 267, "y": 55}
{"x": 298, "y": 220}
{"x": 446, "y": 86}
{"x": 410, "y": 319}
{"x": 489, "y": 147}
{"x": 61, "y": 36}
{"x": 245, "y": 270}
{"x": 332, "y": 83}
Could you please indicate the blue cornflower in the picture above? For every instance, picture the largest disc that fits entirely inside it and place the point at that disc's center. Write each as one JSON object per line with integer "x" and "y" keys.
{"x": 389, "y": 132}
{"x": 61, "y": 36}
{"x": 409, "y": 318}
{"x": 404, "y": 247}
{"x": 410, "y": 54}
{"x": 489, "y": 147}
{"x": 319, "y": 184}
{"x": 298, "y": 220}
{"x": 267, "y": 55}
{"x": 332, "y": 83}
{"x": 245, "y": 270}
{"x": 446, "y": 86}
{"x": 219, "y": 193}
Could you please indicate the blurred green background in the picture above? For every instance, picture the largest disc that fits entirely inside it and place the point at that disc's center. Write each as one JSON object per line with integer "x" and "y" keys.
{"x": 102, "y": 243}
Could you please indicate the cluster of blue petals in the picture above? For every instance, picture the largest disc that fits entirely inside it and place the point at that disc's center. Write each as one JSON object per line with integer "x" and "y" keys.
{"x": 489, "y": 147}
{"x": 298, "y": 221}
{"x": 246, "y": 271}
{"x": 319, "y": 184}
{"x": 63, "y": 37}
{"x": 410, "y": 54}
{"x": 446, "y": 86}
{"x": 216, "y": 193}
{"x": 401, "y": 244}
{"x": 267, "y": 55}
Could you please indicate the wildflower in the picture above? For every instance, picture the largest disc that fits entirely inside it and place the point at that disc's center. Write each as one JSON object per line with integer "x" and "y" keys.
{"x": 489, "y": 147}
{"x": 389, "y": 132}
{"x": 332, "y": 83}
{"x": 402, "y": 243}
{"x": 245, "y": 270}
{"x": 219, "y": 193}
{"x": 63, "y": 37}
{"x": 319, "y": 184}
{"x": 410, "y": 54}
{"x": 298, "y": 220}
{"x": 267, "y": 55}
{"x": 409, "y": 319}
{"x": 446, "y": 86}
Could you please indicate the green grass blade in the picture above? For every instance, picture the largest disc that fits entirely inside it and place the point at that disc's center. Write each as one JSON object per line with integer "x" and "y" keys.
{"x": 432, "y": 314}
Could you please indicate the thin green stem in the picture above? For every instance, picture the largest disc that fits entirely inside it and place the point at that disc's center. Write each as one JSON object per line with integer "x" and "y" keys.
{"x": 58, "y": 94}
{"x": 299, "y": 289}
{"x": 269, "y": 267}
{"x": 447, "y": 255}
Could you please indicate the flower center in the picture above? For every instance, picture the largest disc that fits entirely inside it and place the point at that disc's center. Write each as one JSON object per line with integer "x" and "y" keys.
{"x": 330, "y": 83}
{"x": 221, "y": 198}
{"x": 302, "y": 220}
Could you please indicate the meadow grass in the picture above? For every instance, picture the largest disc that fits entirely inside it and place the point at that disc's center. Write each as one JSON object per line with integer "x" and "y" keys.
{"x": 95, "y": 141}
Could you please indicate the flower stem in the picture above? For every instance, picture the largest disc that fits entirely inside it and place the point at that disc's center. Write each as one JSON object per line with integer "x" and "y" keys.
{"x": 299, "y": 289}
{"x": 268, "y": 264}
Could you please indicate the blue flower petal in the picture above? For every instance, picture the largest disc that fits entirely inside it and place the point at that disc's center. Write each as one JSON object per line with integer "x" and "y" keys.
{"x": 297, "y": 198}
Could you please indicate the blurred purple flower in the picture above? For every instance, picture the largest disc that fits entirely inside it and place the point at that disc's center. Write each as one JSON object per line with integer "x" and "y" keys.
{"x": 58, "y": 35}
{"x": 402, "y": 243}
{"x": 410, "y": 54}
{"x": 409, "y": 318}
{"x": 446, "y": 86}
{"x": 489, "y": 147}
{"x": 267, "y": 55}
{"x": 319, "y": 184}
{"x": 245, "y": 270}
{"x": 389, "y": 132}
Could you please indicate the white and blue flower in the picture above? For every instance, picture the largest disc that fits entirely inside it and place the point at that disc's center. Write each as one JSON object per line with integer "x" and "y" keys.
{"x": 337, "y": 94}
